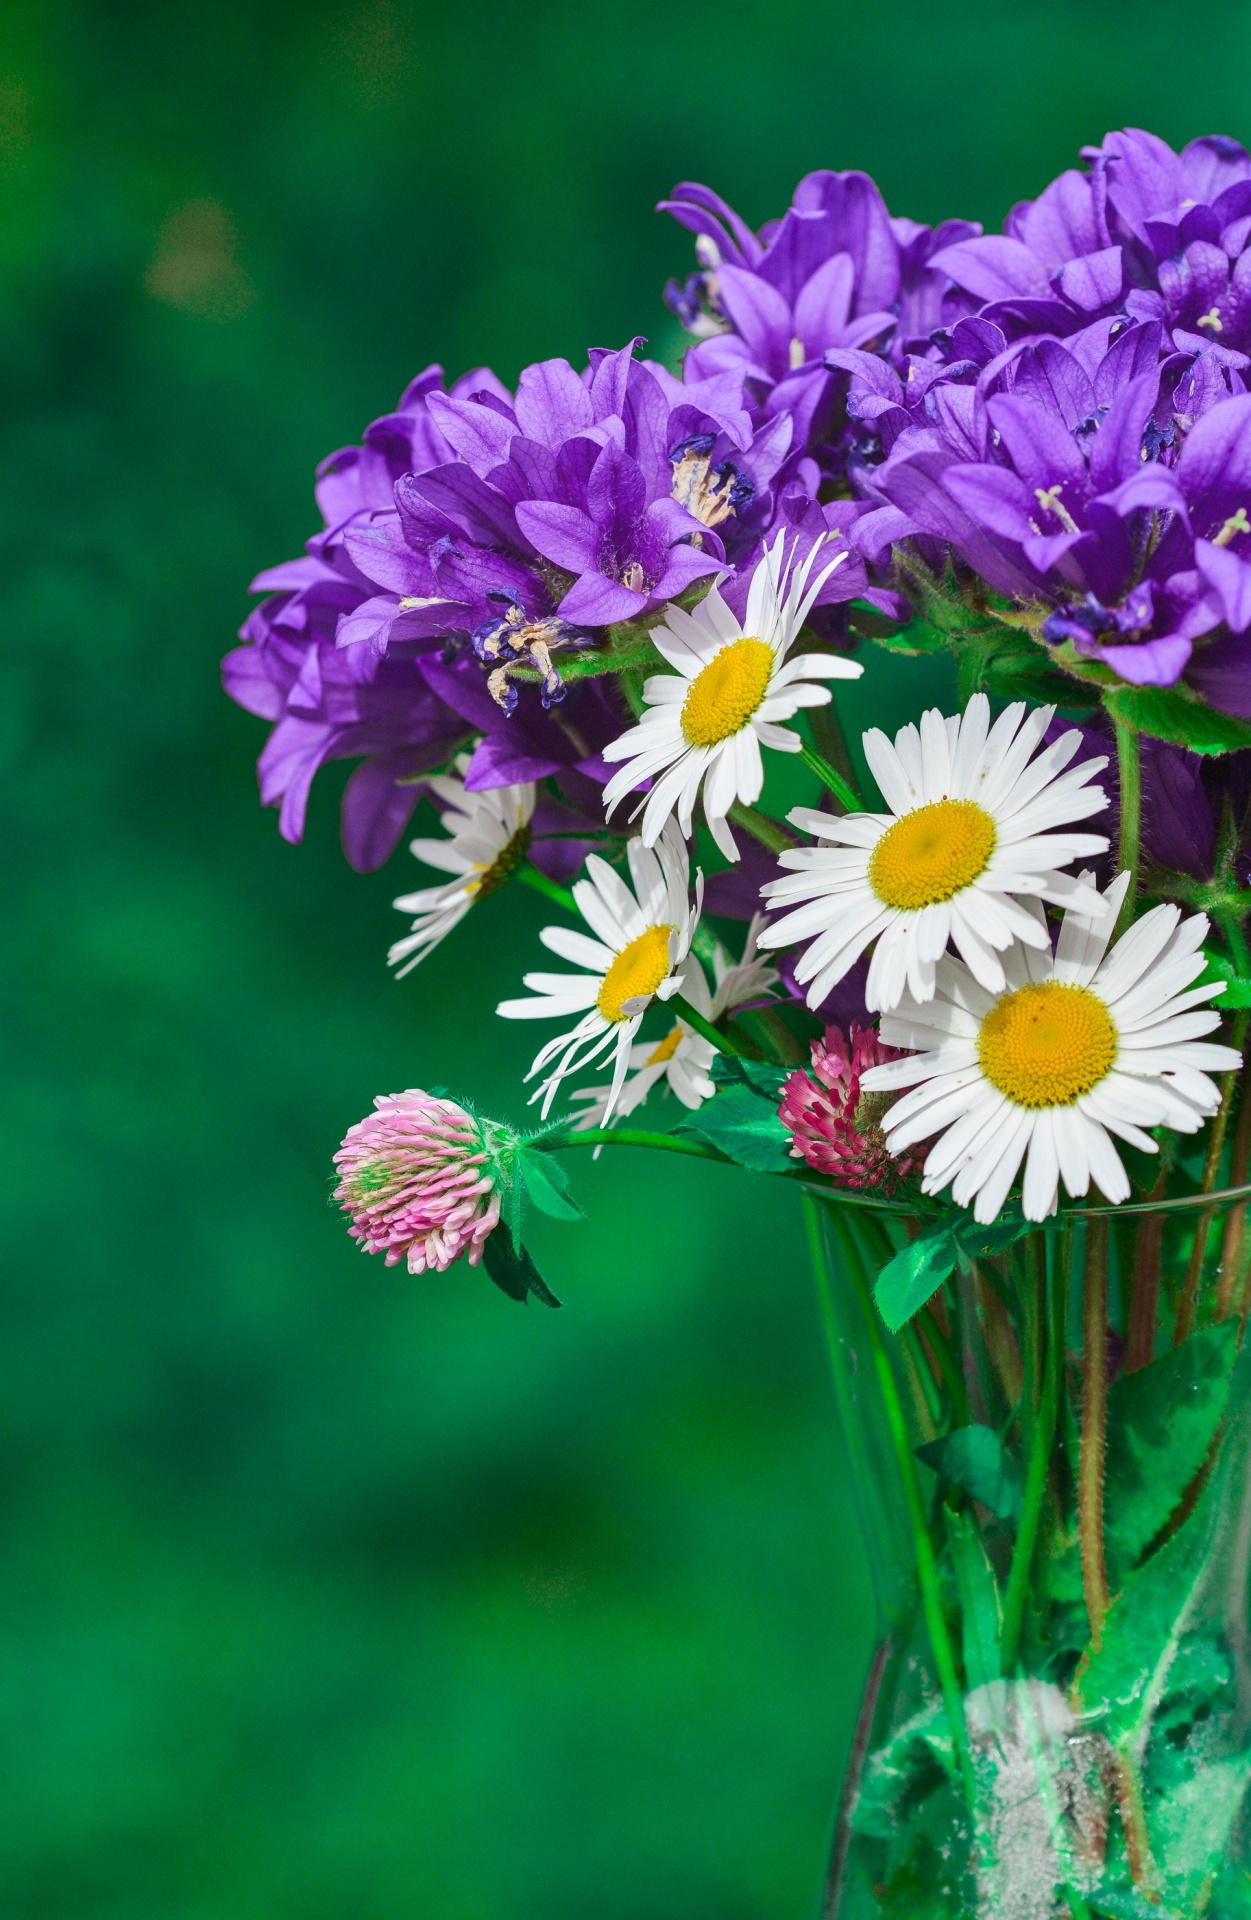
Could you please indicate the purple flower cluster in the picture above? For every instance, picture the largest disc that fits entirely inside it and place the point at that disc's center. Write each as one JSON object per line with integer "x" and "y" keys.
{"x": 1059, "y": 413}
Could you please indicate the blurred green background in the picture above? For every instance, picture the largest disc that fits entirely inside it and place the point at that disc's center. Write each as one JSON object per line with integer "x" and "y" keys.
{"x": 327, "y": 1594}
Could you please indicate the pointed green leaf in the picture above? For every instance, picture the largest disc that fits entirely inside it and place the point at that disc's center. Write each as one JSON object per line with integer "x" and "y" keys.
{"x": 1190, "y": 1826}
{"x": 1177, "y": 715}
{"x": 547, "y": 1184}
{"x": 917, "y": 1271}
{"x": 975, "y": 1459}
{"x": 980, "y": 1611}
{"x": 1161, "y": 1423}
{"x": 744, "y": 1124}
{"x": 1220, "y": 967}
{"x": 513, "y": 1271}
{"x": 763, "y": 1076}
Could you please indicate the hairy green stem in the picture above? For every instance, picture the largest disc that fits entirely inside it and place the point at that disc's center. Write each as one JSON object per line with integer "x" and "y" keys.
{"x": 552, "y": 889}
{"x": 1236, "y": 1219}
{"x": 923, "y": 1547}
{"x": 953, "y": 1379}
{"x": 831, "y": 779}
{"x": 1037, "y": 1471}
{"x": 1129, "y": 765}
{"x": 629, "y": 1137}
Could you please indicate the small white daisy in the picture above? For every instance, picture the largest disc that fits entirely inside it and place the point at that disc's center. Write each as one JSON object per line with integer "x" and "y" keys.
{"x": 641, "y": 939}
{"x": 974, "y": 821}
{"x": 490, "y": 836}
{"x": 1079, "y": 1047}
{"x": 683, "y": 1058}
{"x": 733, "y": 683}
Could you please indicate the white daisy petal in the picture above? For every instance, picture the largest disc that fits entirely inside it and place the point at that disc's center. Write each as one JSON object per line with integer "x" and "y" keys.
{"x": 1044, "y": 1071}
{"x": 489, "y": 834}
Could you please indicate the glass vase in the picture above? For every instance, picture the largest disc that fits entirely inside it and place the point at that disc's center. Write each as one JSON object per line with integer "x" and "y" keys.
{"x": 1051, "y": 1465}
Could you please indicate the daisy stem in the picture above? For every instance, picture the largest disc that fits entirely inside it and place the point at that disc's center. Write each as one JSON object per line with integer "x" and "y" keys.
{"x": 923, "y": 1546}
{"x": 551, "y": 888}
{"x": 1094, "y": 1428}
{"x": 831, "y": 779}
{"x": 770, "y": 833}
{"x": 693, "y": 1018}
{"x": 1129, "y": 765}
{"x": 1044, "y": 1429}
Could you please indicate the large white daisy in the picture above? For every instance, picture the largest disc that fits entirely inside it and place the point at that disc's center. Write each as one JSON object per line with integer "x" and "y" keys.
{"x": 683, "y": 1058}
{"x": 733, "y": 683}
{"x": 974, "y": 822}
{"x": 489, "y": 838}
{"x": 1078, "y": 1048}
{"x": 641, "y": 940}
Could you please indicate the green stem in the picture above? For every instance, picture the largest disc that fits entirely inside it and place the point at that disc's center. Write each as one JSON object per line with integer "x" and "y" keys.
{"x": 770, "y": 833}
{"x": 628, "y": 1137}
{"x": 1094, "y": 1429}
{"x": 923, "y": 1546}
{"x": 1129, "y": 764}
{"x": 1211, "y": 1168}
{"x": 680, "y": 1005}
{"x": 552, "y": 889}
{"x": 831, "y": 779}
{"x": 1036, "y": 1475}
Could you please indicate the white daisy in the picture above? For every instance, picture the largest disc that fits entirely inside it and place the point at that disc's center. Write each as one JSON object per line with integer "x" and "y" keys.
{"x": 683, "y": 1058}
{"x": 973, "y": 822}
{"x": 490, "y": 836}
{"x": 641, "y": 939}
{"x": 707, "y": 721}
{"x": 1079, "y": 1047}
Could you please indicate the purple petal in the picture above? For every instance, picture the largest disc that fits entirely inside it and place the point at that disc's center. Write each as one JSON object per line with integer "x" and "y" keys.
{"x": 596, "y": 601}
{"x": 1230, "y": 580}
{"x": 563, "y": 534}
{"x": 552, "y": 403}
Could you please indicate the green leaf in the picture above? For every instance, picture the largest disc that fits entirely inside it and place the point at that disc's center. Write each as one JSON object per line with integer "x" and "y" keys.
{"x": 762, "y": 1076}
{"x": 975, "y": 1459}
{"x": 1161, "y": 1423}
{"x": 914, "y": 1761}
{"x": 744, "y": 1124}
{"x": 1219, "y": 967}
{"x": 513, "y": 1271}
{"x": 1190, "y": 1826}
{"x": 980, "y": 1610}
{"x": 1176, "y": 715}
{"x": 916, "y": 1272}
{"x": 547, "y": 1184}
{"x": 1126, "y": 1675}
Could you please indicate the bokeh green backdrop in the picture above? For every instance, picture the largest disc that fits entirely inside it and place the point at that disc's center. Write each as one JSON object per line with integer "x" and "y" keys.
{"x": 326, "y": 1594}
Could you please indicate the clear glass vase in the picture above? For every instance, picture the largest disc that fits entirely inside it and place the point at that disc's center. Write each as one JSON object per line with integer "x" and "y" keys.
{"x": 1055, "y": 1495}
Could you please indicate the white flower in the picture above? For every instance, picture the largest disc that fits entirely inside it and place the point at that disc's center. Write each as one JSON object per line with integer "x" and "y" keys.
{"x": 683, "y": 1058}
{"x": 973, "y": 822}
{"x": 490, "y": 837}
{"x": 641, "y": 938}
{"x": 733, "y": 683}
{"x": 1080, "y": 1047}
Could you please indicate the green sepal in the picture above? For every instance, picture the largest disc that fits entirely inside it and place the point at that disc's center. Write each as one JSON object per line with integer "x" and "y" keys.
{"x": 547, "y": 1184}
{"x": 976, "y": 1460}
{"x": 513, "y": 1270}
{"x": 1162, "y": 1420}
{"x": 1220, "y": 967}
{"x": 1178, "y": 716}
{"x": 763, "y": 1076}
{"x": 980, "y": 1609}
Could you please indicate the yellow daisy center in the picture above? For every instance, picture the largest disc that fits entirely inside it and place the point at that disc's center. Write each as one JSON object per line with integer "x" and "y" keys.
{"x": 637, "y": 970}
{"x": 1046, "y": 1045}
{"x": 724, "y": 695}
{"x": 504, "y": 865}
{"x": 932, "y": 853}
{"x": 666, "y": 1050}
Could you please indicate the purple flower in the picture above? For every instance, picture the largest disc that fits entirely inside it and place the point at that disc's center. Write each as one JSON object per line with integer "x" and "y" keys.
{"x": 1069, "y": 489}
{"x": 1147, "y": 231}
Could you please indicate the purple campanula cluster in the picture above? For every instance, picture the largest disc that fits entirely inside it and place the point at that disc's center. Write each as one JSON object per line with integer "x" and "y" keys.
{"x": 1055, "y": 417}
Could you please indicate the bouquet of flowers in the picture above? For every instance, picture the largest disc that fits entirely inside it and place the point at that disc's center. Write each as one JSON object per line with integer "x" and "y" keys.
{"x": 974, "y": 1016}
